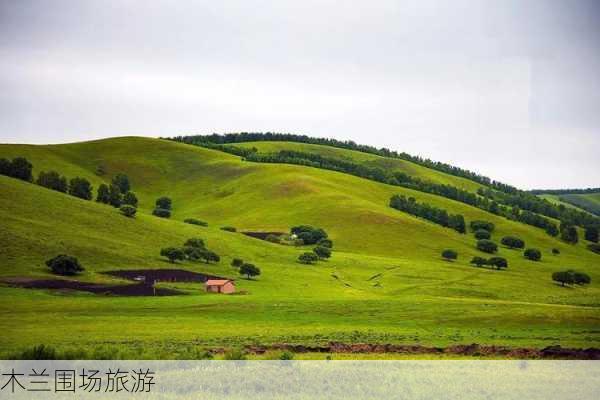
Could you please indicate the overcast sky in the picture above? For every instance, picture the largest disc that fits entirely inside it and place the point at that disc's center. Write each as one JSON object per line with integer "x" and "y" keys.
{"x": 510, "y": 89}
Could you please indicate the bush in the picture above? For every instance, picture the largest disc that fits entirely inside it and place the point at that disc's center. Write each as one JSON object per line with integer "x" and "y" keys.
{"x": 18, "y": 168}
{"x": 449, "y": 255}
{"x": 162, "y": 213}
{"x": 325, "y": 243}
{"x": 581, "y": 278}
{"x": 52, "y": 180}
{"x": 487, "y": 246}
{"x": 485, "y": 225}
{"x": 237, "y": 262}
{"x": 173, "y": 254}
{"x": 130, "y": 198}
{"x": 80, "y": 187}
{"x": 309, "y": 234}
{"x": 103, "y": 195}
{"x": 286, "y": 355}
{"x": 228, "y": 229}
{"x": 513, "y": 242}
{"x": 498, "y": 262}
{"x": 122, "y": 182}
{"x": 64, "y": 265}
{"x": 195, "y": 242}
{"x": 114, "y": 196}
{"x": 164, "y": 202}
{"x": 555, "y": 251}
{"x": 595, "y": 247}
{"x": 533, "y": 254}
{"x": 322, "y": 252}
{"x": 194, "y": 221}
{"x": 250, "y": 270}
{"x": 235, "y": 354}
{"x": 479, "y": 261}
{"x": 128, "y": 211}
{"x": 482, "y": 234}
{"x": 564, "y": 277}
{"x": 308, "y": 258}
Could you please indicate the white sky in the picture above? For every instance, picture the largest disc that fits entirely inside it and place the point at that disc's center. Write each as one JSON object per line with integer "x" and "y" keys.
{"x": 510, "y": 89}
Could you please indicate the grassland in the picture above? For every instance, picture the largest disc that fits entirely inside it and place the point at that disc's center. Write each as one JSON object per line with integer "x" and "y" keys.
{"x": 385, "y": 283}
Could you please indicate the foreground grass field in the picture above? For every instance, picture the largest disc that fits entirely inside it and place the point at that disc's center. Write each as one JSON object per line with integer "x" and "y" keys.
{"x": 385, "y": 283}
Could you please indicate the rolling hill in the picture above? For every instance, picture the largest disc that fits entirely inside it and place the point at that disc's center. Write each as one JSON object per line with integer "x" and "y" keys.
{"x": 385, "y": 282}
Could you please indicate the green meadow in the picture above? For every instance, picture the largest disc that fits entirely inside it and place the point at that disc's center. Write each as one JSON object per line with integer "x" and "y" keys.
{"x": 385, "y": 283}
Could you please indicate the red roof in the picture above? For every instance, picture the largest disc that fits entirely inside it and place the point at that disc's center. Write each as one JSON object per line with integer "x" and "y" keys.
{"x": 217, "y": 282}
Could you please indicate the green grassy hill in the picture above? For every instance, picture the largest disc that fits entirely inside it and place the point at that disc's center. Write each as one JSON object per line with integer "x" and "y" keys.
{"x": 385, "y": 282}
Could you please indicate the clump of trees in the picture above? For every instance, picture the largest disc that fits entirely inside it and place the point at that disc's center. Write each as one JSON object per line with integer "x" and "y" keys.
{"x": 64, "y": 265}
{"x": 162, "y": 207}
{"x": 322, "y": 252}
{"x": 482, "y": 225}
{"x": 533, "y": 254}
{"x": 494, "y": 262}
{"x": 19, "y": 168}
{"x": 487, "y": 246}
{"x": 568, "y": 233}
{"x": 308, "y": 258}
{"x": 429, "y": 212}
{"x": 237, "y": 262}
{"x": 53, "y": 180}
{"x": 479, "y": 261}
{"x": 513, "y": 242}
{"x": 173, "y": 254}
{"x": 80, "y": 187}
{"x": 449, "y": 255}
{"x": 194, "y": 221}
{"x": 228, "y": 229}
{"x": 309, "y": 234}
{"x": 193, "y": 249}
{"x": 571, "y": 277}
{"x": 118, "y": 194}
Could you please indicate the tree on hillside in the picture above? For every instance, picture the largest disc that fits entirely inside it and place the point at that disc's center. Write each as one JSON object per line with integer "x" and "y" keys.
{"x": 194, "y": 221}
{"x": 581, "y": 278}
{"x": 114, "y": 196}
{"x": 485, "y": 225}
{"x": 173, "y": 254}
{"x": 449, "y": 255}
{"x": 325, "y": 243}
{"x": 52, "y": 180}
{"x": 568, "y": 233}
{"x": 122, "y": 182}
{"x": 64, "y": 265}
{"x": 250, "y": 270}
{"x": 591, "y": 234}
{"x": 533, "y": 254}
{"x": 322, "y": 252}
{"x": 308, "y": 258}
{"x": 482, "y": 234}
{"x": 209, "y": 256}
{"x": 128, "y": 211}
{"x": 195, "y": 242}
{"x": 4, "y": 167}
{"x": 130, "y": 198}
{"x": 164, "y": 203}
{"x": 552, "y": 230}
{"x": 309, "y": 234}
{"x": 498, "y": 262}
{"x": 162, "y": 213}
{"x": 21, "y": 169}
{"x": 555, "y": 251}
{"x": 80, "y": 187}
{"x": 237, "y": 262}
{"x": 103, "y": 195}
{"x": 192, "y": 253}
{"x": 487, "y": 246}
{"x": 564, "y": 277}
{"x": 513, "y": 242}
{"x": 457, "y": 222}
{"x": 479, "y": 261}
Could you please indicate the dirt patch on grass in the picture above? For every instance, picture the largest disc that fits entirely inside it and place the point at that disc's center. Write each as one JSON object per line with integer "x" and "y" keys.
{"x": 475, "y": 350}
{"x": 139, "y": 289}
{"x": 161, "y": 275}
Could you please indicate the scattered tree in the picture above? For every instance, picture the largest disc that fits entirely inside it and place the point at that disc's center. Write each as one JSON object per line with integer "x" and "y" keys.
{"x": 103, "y": 195}
{"x": 478, "y": 261}
{"x": 195, "y": 242}
{"x": 482, "y": 234}
{"x": 194, "y": 221}
{"x": 122, "y": 182}
{"x": 487, "y": 246}
{"x": 513, "y": 242}
{"x": 485, "y": 225}
{"x": 498, "y": 262}
{"x": 52, "y": 180}
{"x": 164, "y": 202}
{"x": 308, "y": 258}
{"x": 533, "y": 254}
{"x": 449, "y": 255}
{"x": 322, "y": 252}
{"x": 128, "y": 211}
{"x": 568, "y": 233}
{"x": 114, "y": 196}
{"x": 64, "y": 265}
{"x": 173, "y": 254}
{"x": 564, "y": 277}
{"x": 130, "y": 198}
{"x": 80, "y": 187}
{"x": 162, "y": 213}
{"x": 237, "y": 262}
{"x": 591, "y": 234}
{"x": 250, "y": 270}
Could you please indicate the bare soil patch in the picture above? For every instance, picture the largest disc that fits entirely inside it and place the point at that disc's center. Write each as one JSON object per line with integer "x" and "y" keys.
{"x": 262, "y": 235}
{"x": 162, "y": 275}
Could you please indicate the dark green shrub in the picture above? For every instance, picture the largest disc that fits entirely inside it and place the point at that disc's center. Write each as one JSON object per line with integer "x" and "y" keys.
{"x": 555, "y": 251}
{"x": 130, "y": 198}
{"x": 162, "y": 213}
{"x": 591, "y": 234}
{"x": 595, "y": 247}
{"x": 228, "y": 229}
{"x": 482, "y": 234}
{"x": 479, "y": 261}
{"x": 308, "y": 258}
{"x": 194, "y": 221}
{"x": 308, "y": 234}
{"x": 164, "y": 202}
{"x": 498, "y": 262}
{"x": 195, "y": 242}
{"x": 581, "y": 278}
{"x": 237, "y": 262}
{"x": 80, "y": 187}
{"x": 122, "y": 182}
{"x": 103, "y": 195}
{"x": 533, "y": 254}
{"x": 52, "y": 180}
{"x": 325, "y": 243}
{"x": 487, "y": 246}
{"x": 128, "y": 211}
{"x": 173, "y": 254}
{"x": 64, "y": 265}
{"x": 485, "y": 225}
{"x": 513, "y": 242}
{"x": 563, "y": 277}
{"x": 569, "y": 234}
{"x": 272, "y": 238}
{"x": 449, "y": 255}
{"x": 322, "y": 252}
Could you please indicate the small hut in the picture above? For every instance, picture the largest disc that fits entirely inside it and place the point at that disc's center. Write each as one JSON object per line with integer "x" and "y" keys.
{"x": 220, "y": 286}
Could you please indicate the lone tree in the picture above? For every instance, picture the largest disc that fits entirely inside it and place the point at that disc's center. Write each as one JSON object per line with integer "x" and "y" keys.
{"x": 533, "y": 254}
{"x": 103, "y": 195}
{"x": 482, "y": 234}
{"x": 581, "y": 278}
{"x": 487, "y": 246}
{"x": 479, "y": 261}
{"x": 64, "y": 265}
{"x": 308, "y": 258}
{"x": 237, "y": 262}
{"x": 485, "y": 225}
{"x": 128, "y": 211}
{"x": 564, "y": 277}
{"x": 173, "y": 254}
{"x": 162, "y": 213}
{"x": 164, "y": 202}
{"x": 513, "y": 242}
{"x": 449, "y": 255}
{"x": 322, "y": 252}
{"x": 122, "y": 182}
{"x": 80, "y": 187}
{"x": 498, "y": 262}
{"x": 130, "y": 198}
{"x": 555, "y": 251}
{"x": 591, "y": 234}
{"x": 250, "y": 270}
{"x": 52, "y": 180}
{"x": 195, "y": 242}
{"x": 568, "y": 233}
